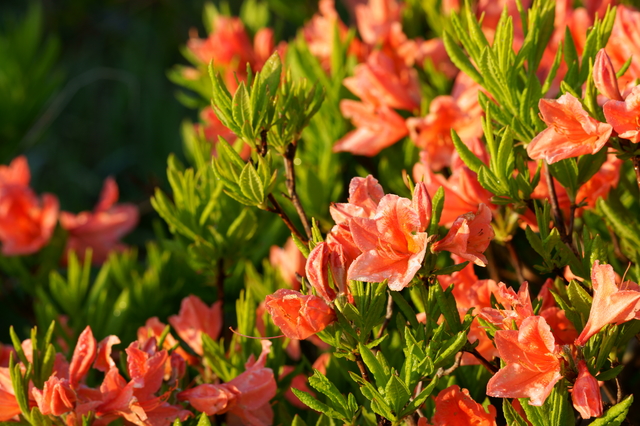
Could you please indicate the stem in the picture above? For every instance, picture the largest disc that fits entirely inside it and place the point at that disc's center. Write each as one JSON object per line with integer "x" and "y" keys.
{"x": 636, "y": 167}
{"x": 363, "y": 372}
{"x": 486, "y": 364}
{"x": 555, "y": 205}
{"x": 387, "y": 317}
{"x": 287, "y": 221}
{"x": 262, "y": 149}
{"x": 220, "y": 285}
{"x": 515, "y": 260}
{"x": 289, "y": 156}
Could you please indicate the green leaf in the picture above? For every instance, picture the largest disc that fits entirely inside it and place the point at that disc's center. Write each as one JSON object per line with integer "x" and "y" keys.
{"x": 447, "y": 304}
{"x": 511, "y": 415}
{"x": 242, "y": 113}
{"x": 616, "y": 414}
{"x": 459, "y": 59}
{"x": 314, "y": 404}
{"x": 204, "y": 420}
{"x": 437, "y": 204}
{"x": 469, "y": 158}
{"x": 450, "y": 348}
{"x": 397, "y": 393}
{"x": 420, "y": 399}
{"x": 566, "y": 172}
{"x": 580, "y": 299}
{"x": 448, "y": 270}
{"x": 610, "y": 374}
{"x": 374, "y": 365}
{"x": 320, "y": 382}
{"x": 251, "y": 185}
{"x": 297, "y": 421}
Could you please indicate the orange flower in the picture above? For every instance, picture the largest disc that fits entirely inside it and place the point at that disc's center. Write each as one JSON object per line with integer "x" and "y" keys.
{"x": 376, "y": 18}
{"x": 194, "y": 319}
{"x": 9, "y": 408}
{"x": 83, "y": 356}
{"x": 456, "y": 407}
{"x": 604, "y": 76}
{"x": 469, "y": 236}
{"x": 624, "y": 116}
{"x": 381, "y": 81}
{"x": 586, "y": 393}
{"x": 26, "y": 222}
{"x": 104, "y": 362}
{"x": 245, "y": 398}
{"x": 298, "y": 315}
{"x": 56, "y": 397}
{"x": 532, "y": 362}
{"x": 570, "y": 133}
{"x": 624, "y": 42}
{"x": 517, "y": 307}
{"x": 102, "y": 229}
{"x": 230, "y": 48}
{"x": 393, "y": 243}
{"x": 376, "y": 128}
{"x": 611, "y": 304}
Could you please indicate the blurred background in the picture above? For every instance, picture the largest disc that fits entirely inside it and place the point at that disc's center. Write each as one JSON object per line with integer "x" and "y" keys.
{"x": 84, "y": 92}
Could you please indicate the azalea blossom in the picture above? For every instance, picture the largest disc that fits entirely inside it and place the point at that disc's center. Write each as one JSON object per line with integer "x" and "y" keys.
{"x": 456, "y": 407}
{"x": 245, "y": 398}
{"x": 101, "y": 229}
{"x": 586, "y": 393}
{"x": 298, "y": 315}
{"x": 604, "y": 77}
{"x": 381, "y": 81}
{"x": 376, "y": 18}
{"x": 624, "y": 115}
{"x": 516, "y": 307}
{"x": 469, "y": 236}
{"x": 624, "y": 42}
{"x": 570, "y": 133}
{"x": 612, "y": 304}
{"x": 393, "y": 243}
{"x": 460, "y": 112}
{"x": 532, "y": 362}
{"x": 196, "y": 318}
{"x": 376, "y": 128}
{"x": 26, "y": 221}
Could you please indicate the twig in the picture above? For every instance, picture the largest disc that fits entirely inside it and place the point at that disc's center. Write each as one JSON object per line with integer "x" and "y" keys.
{"x": 555, "y": 205}
{"x": 365, "y": 376}
{"x": 442, "y": 372}
{"x": 387, "y": 317}
{"x": 290, "y": 173}
{"x": 486, "y": 364}
{"x": 636, "y": 167}
{"x": 220, "y": 285}
{"x": 515, "y": 260}
{"x": 278, "y": 210}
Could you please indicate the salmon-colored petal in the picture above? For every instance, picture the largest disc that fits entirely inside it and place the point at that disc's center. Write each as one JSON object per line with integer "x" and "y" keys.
{"x": 604, "y": 76}
{"x": 456, "y": 407}
{"x": 298, "y": 316}
{"x": 586, "y": 393}
{"x": 16, "y": 173}
{"x": 516, "y": 381}
{"x": 104, "y": 362}
{"x": 317, "y": 272}
{"x": 570, "y": 133}
{"x": 610, "y": 304}
{"x": 83, "y": 356}
{"x": 623, "y": 115}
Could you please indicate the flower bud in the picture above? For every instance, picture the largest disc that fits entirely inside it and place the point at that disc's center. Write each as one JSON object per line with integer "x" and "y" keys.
{"x": 298, "y": 316}
{"x": 55, "y": 398}
{"x": 586, "y": 393}
{"x": 604, "y": 76}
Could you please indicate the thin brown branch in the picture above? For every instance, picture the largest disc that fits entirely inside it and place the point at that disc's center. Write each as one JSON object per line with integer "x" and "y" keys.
{"x": 555, "y": 205}
{"x": 263, "y": 149}
{"x": 387, "y": 317}
{"x": 515, "y": 260}
{"x": 442, "y": 372}
{"x": 220, "y": 285}
{"x": 365, "y": 376}
{"x": 636, "y": 168}
{"x": 290, "y": 174}
{"x": 486, "y": 364}
{"x": 277, "y": 209}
